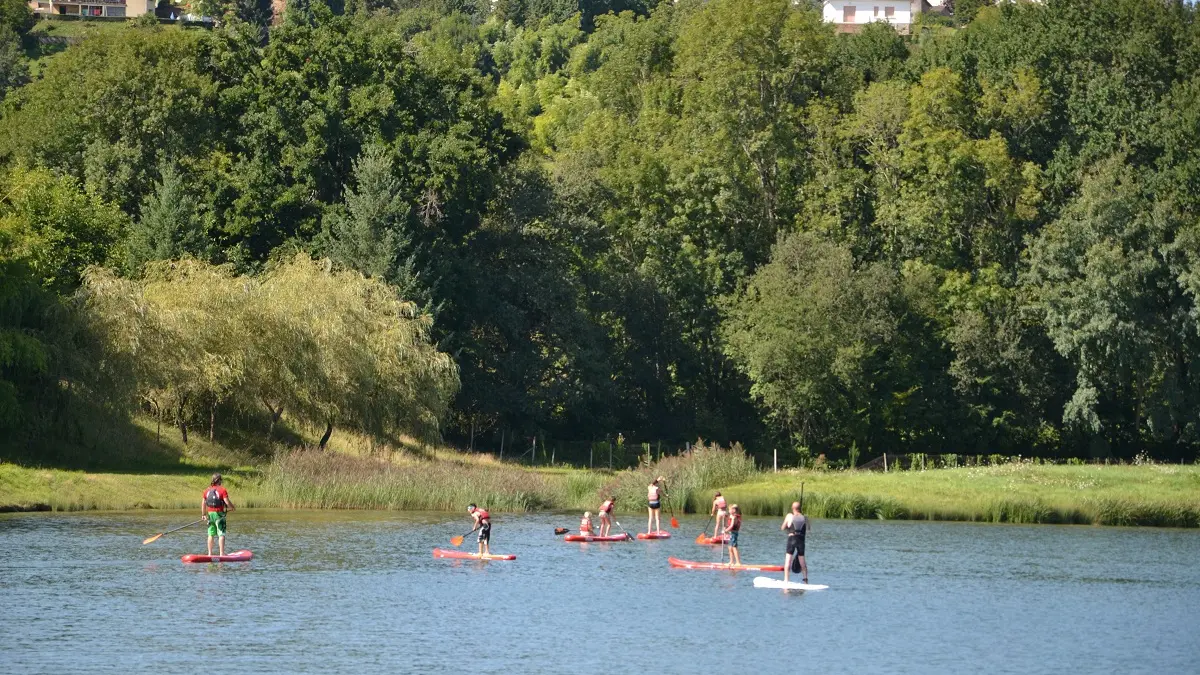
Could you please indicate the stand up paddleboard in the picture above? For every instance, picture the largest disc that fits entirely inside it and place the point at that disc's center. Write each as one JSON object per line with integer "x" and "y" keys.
{"x": 464, "y": 555}
{"x": 661, "y": 534}
{"x": 236, "y": 556}
{"x": 768, "y": 582}
{"x": 714, "y": 541}
{"x": 693, "y": 565}
{"x": 596, "y": 537}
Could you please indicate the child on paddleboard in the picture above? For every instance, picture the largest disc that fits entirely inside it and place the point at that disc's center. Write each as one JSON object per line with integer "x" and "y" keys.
{"x": 654, "y": 502}
{"x": 606, "y": 516}
{"x": 213, "y": 507}
{"x": 732, "y": 528}
{"x": 585, "y": 525}
{"x": 483, "y": 523}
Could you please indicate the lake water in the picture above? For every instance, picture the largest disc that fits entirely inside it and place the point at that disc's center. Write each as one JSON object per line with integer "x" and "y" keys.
{"x": 350, "y": 592}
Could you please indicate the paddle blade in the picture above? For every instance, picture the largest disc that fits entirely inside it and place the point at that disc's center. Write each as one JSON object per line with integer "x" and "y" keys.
{"x": 150, "y": 540}
{"x": 674, "y": 523}
{"x": 701, "y": 537}
{"x": 456, "y": 541}
{"x": 561, "y": 530}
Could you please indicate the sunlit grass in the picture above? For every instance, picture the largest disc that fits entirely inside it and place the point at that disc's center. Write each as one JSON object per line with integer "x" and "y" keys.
{"x": 355, "y": 472}
{"x": 1021, "y": 492}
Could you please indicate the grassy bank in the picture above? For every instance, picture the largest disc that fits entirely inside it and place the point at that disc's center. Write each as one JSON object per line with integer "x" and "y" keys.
{"x": 1156, "y": 494}
{"x": 355, "y": 474}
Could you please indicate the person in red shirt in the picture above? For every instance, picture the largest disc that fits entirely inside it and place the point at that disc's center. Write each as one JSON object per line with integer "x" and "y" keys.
{"x": 483, "y": 523}
{"x": 213, "y": 506}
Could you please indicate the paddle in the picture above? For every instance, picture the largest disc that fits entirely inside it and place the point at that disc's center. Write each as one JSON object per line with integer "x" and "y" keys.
{"x": 627, "y": 535}
{"x": 560, "y": 530}
{"x": 674, "y": 521}
{"x": 701, "y": 537}
{"x": 148, "y": 540}
{"x": 457, "y": 541}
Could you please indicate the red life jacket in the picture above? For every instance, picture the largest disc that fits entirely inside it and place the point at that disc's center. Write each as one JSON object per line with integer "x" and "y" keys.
{"x": 720, "y": 503}
{"x": 482, "y": 515}
{"x": 585, "y": 526}
{"x": 606, "y": 507}
{"x": 652, "y": 493}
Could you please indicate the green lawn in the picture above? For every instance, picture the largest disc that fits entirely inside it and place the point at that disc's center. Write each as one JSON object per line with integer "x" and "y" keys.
{"x": 1159, "y": 494}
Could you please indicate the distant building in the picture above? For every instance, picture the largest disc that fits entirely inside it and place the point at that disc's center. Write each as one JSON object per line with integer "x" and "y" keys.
{"x": 95, "y": 8}
{"x": 851, "y": 15}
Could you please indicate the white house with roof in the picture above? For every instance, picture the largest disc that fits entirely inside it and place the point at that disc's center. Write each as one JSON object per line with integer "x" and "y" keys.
{"x": 851, "y": 15}
{"x": 95, "y": 8}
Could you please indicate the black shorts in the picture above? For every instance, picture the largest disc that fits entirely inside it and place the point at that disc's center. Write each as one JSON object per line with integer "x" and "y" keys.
{"x": 485, "y": 532}
{"x": 795, "y": 545}
{"x": 655, "y": 505}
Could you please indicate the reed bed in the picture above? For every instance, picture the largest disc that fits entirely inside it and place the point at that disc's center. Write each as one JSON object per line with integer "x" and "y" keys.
{"x": 690, "y": 477}
{"x": 318, "y": 480}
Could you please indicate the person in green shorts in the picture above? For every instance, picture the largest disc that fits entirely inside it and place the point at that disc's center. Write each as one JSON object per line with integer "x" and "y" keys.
{"x": 213, "y": 506}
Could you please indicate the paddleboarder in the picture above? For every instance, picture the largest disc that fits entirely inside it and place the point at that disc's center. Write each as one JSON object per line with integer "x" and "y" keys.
{"x": 606, "y": 516}
{"x": 213, "y": 506}
{"x": 796, "y": 526}
{"x": 585, "y": 524}
{"x": 483, "y": 523}
{"x": 654, "y": 500}
{"x": 718, "y": 508}
{"x": 732, "y": 528}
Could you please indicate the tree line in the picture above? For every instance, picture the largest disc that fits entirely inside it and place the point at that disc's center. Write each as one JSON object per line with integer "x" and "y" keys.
{"x": 671, "y": 220}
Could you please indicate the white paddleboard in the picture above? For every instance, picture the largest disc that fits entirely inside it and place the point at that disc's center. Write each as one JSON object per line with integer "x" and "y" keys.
{"x": 768, "y": 582}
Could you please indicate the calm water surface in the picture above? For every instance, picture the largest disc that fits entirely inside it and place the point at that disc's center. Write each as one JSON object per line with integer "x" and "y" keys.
{"x": 348, "y": 592}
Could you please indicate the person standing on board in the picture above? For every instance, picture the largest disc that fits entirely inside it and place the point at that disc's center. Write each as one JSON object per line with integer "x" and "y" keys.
{"x": 654, "y": 500}
{"x": 483, "y": 523}
{"x": 606, "y": 516}
{"x": 213, "y": 506}
{"x": 718, "y": 507}
{"x": 796, "y": 526}
{"x": 585, "y": 525}
{"x": 732, "y": 529}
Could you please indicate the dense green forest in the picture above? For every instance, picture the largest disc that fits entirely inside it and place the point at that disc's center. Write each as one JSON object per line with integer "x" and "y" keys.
{"x": 579, "y": 218}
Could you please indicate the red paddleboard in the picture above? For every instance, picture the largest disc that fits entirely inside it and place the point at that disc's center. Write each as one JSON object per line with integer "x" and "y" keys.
{"x": 714, "y": 541}
{"x": 466, "y": 555}
{"x": 236, "y": 556}
{"x": 661, "y": 534}
{"x": 596, "y": 537}
{"x": 692, "y": 565}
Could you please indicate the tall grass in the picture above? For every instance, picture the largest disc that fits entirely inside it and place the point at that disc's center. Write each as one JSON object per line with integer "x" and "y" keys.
{"x": 312, "y": 479}
{"x": 690, "y": 478}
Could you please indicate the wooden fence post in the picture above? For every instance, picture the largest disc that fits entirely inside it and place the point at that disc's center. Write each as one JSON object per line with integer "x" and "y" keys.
{"x": 885, "y": 462}
{"x": 775, "y": 460}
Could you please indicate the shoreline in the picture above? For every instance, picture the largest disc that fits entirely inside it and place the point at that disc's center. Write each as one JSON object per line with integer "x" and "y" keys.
{"x": 1154, "y": 495}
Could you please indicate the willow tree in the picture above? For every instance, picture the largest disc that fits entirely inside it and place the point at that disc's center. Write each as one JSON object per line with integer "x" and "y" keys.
{"x": 358, "y": 354}
{"x": 330, "y": 348}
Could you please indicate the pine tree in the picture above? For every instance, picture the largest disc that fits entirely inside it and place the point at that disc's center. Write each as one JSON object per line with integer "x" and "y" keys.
{"x": 169, "y": 226}
{"x": 370, "y": 234}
